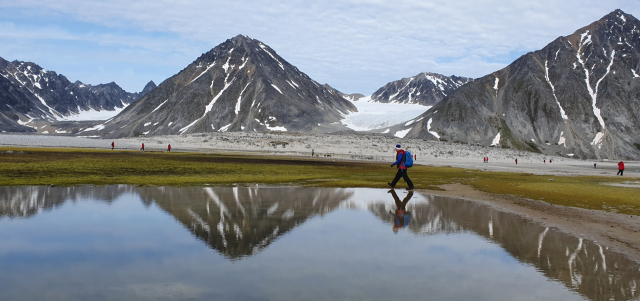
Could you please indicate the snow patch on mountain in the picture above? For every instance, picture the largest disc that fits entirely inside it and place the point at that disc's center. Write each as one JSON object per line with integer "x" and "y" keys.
{"x": 429, "y": 129}
{"x": 92, "y": 115}
{"x": 562, "y": 140}
{"x": 553, "y": 89}
{"x": 401, "y": 134}
{"x": 496, "y": 140}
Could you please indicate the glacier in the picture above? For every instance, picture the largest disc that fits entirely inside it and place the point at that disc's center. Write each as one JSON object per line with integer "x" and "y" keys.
{"x": 375, "y": 115}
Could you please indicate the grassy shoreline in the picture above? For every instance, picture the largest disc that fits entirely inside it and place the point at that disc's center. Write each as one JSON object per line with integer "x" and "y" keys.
{"x": 70, "y": 167}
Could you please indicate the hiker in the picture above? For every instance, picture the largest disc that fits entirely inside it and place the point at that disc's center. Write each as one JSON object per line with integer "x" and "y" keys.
{"x": 169, "y": 148}
{"x": 550, "y": 161}
{"x": 402, "y": 169}
{"x": 516, "y": 161}
{"x": 401, "y": 218}
{"x": 142, "y": 149}
{"x": 113, "y": 144}
{"x": 620, "y": 168}
{"x": 544, "y": 161}
{"x": 594, "y": 166}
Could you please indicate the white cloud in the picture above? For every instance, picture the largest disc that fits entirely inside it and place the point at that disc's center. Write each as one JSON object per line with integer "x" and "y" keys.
{"x": 354, "y": 45}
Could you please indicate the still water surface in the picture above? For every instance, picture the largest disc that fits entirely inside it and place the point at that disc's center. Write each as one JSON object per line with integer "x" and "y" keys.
{"x": 287, "y": 243}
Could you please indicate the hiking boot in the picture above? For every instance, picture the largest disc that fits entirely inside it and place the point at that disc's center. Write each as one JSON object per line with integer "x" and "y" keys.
{"x": 409, "y": 189}
{"x": 390, "y": 185}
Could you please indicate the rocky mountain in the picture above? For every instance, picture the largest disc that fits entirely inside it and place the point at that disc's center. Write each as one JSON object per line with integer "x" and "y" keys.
{"x": 110, "y": 96}
{"x": 578, "y": 96}
{"x": 18, "y": 103}
{"x": 424, "y": 89}
{"x": 147, "y": 88}
{"x": 240, "y": 85}
{"x": 351, "y": 97}
{"x": 31, "y": 93}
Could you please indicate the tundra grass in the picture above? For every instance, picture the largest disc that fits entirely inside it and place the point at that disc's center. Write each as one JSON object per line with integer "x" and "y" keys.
{"x": 70, "y": 167}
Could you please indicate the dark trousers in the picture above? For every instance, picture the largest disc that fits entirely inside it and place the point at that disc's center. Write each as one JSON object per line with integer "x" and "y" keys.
{"x": 403, "y": 174}
{"x": 620, "y": 171}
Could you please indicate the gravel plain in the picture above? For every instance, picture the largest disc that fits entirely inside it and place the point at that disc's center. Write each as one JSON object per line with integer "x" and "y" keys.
{"x": 340, "y": 147}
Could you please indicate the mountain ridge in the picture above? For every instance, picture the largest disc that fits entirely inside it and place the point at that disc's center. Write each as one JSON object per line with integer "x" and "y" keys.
{"x": 425, "y": 89}
{"x": 34, "y": 97}
{"x": 240, "y": 85}
{"x": 575, "y": 97}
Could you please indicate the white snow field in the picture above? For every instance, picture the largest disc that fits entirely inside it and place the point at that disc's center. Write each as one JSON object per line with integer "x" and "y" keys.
{"x": 374, "y": 115}
{"x": 93, "y": 115}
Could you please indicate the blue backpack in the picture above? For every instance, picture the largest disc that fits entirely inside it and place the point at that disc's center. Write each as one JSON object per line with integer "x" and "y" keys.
{"x": 408, "y": 159}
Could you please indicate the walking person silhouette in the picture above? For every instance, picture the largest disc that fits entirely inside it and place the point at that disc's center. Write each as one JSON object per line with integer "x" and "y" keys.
{"x": 402, "y": 169}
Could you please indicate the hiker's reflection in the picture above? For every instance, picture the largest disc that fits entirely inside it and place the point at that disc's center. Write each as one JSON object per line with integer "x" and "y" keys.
{"x": 401, "y": 217}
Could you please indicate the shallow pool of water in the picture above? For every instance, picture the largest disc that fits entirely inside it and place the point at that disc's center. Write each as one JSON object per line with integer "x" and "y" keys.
{"x": 287, "y": 243}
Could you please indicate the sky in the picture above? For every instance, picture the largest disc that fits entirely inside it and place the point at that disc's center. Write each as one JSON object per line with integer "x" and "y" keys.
{"x": 356, "y": 46}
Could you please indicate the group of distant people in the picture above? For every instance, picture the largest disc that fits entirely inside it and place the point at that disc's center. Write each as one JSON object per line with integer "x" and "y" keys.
{"x": 113, "y": 146}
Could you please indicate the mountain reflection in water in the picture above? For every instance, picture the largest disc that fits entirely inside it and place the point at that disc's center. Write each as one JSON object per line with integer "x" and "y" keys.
{"x": 580, "y": 264}
{"x": 239, "y": 222}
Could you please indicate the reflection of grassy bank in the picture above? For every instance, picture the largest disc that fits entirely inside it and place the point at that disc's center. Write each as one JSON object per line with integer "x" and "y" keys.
{"x": 99, "y": 167}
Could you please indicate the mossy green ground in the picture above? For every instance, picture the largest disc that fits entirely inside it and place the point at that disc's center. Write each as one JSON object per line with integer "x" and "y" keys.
{"x": 69, "y": 167}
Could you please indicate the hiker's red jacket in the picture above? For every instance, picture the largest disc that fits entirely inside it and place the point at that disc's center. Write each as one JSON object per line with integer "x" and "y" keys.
{"x": 399, "y": 160}
{"x": 620, "y": 165}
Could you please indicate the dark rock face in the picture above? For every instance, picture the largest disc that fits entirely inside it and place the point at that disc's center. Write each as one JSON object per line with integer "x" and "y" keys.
{"x": 109, "y": 96}
{"x": 240, "y": 85}
{"x": 351, "y": 97}
{"x": 17, "y": 102}
{"x": 425, "y": 89}
{"x": 578, "y": 96}
{"x": 147, "y": 88}
{"x": 29, "y": 92}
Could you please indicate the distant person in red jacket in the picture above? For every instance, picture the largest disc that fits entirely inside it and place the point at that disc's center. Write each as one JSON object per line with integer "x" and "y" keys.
{"x": 113, "y": 144}
{"x": 169, "y": 148}
{"x": 516, "y": 161}
{"x": 142, "y": 148}
{"x": 620, "y": 168}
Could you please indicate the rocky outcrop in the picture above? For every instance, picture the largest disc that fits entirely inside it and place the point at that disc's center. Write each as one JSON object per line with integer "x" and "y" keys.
{"x": 578, "y": 96}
